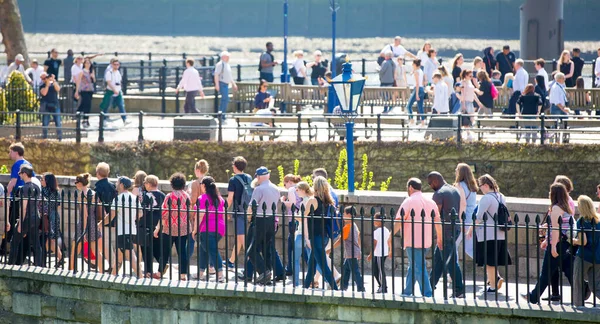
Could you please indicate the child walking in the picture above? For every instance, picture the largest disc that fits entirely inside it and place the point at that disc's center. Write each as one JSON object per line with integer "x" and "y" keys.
{"x": 382, "y": 244}
{"x": 352, "y": 251}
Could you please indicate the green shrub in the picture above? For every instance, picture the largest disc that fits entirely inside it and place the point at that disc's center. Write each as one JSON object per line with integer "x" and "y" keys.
{"x": 19, "y": 95}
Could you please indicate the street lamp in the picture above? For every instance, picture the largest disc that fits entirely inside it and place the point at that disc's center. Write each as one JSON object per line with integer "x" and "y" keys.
{"x": 334, "y": 8}
{"x": 348, "y": 89}
{"x": 284, "y": 69}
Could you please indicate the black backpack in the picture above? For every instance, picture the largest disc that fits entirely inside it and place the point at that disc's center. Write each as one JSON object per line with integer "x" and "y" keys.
{"x": 503, "y": 217}
{"x": 246, "y": 193}
{"x": 259, "y": 63}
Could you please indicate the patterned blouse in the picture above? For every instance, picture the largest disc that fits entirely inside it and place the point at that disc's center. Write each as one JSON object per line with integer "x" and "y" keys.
{"x": 175, "y": 208}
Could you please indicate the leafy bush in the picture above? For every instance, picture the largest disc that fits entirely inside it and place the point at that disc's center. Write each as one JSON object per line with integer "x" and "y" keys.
{"x": 19, "y": 95}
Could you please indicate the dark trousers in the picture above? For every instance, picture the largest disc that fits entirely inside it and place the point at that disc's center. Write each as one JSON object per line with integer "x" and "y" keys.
{"x": 318, "y": 257}
{"x": 512, "y": 104}
{"x": 190, "y": 102}
{"x": 298, "y": 80}
{"x": 552, "y": 266}
{"x": 21, "y": 247}
{"x": 150, "y": 252}
{"x": 263, "y": 229}
{"x": 267, "y": 76}
{"x": 166, "y": 246}
{"x": 379, "y": 272}
{"x": 13, "y": 211}
{"x": 85, "y": 106}
{"x": 351, "y": 267}
{"x": 448, "y": 260}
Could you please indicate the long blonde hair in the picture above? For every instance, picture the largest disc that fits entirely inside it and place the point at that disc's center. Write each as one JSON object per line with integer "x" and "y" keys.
{"x": 455, "y": 59}
{"x": 464, "y": 173}
{"x": 305, "y": 187}
{"x": 587, "y": 210}
{"x": 321, "y": 188}
{"x": 562, "y": 57}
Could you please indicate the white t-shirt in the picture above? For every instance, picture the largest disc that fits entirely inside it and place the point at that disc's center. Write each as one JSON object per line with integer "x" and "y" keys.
{"x": 597, "y": 72}
{"x": 420, "y": 73}
{"x": 422, "y": 56}
{"x": 441, "y": 97}
{"x": 115, "y": 78}
{"x": 125, "y": 205}
{"x": 35, "y": 75}
{"x": 75, "y": 71}
{"x": 397, "y": 50}
{"x": 300, "y": 68}
{"x": 382, "y": 245}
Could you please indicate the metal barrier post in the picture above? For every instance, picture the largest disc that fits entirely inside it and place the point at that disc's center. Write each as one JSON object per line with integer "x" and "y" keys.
{"x": 18, "y": 125}
{"x": 150, "y": 64}
{"x": 378, "y": 127}
{"x": 220, "y": 131}
{"x": 459, "y": 130}
{"x": 239, "y": 73}
{"x": 124, "y": 81}
{"x": 163, "y": 88}
{"x": 543, "y": 129}
{"x": 184, "y": 58}
{"x": 101, "y": 128}
{"x": 364, "y": 67}
{"x": 78, "y": 127}
{"x": 299, "y": 139}
{"x": 141, "y": 83}
{"x": 141, "y": 127}
{"x": 177, "y": 92}
{"x": 594, "y": 85}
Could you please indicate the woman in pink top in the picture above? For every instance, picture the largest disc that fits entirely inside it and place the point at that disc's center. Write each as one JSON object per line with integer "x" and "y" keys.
{"x": 211, "y": 225}
{"x": 174, "y": 227}
{"x": 467, "y": 97}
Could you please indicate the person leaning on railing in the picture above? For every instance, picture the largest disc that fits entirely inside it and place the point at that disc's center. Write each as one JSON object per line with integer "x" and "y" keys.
{"x": 587, "y": 261}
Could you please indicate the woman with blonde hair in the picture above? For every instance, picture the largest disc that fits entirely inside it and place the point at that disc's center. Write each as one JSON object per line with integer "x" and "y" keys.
{"x": 316, "y": 230}
{"x": 567, "y": 67}
{"x": 195, "y": 191}
{"x": 587, "y": 260}
{"x": 138, "y": 184}
{"x": 467, "y": 187}
{"x": 477, "y": 66}
{"x": 299, "y": 67}
{"x": 301, "y": 241}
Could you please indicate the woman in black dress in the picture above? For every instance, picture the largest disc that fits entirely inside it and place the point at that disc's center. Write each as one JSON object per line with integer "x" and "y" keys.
{"x": 567, "y": 67}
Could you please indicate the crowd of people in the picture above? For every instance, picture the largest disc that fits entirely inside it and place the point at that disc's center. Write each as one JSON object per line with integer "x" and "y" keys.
{"x": 114, "y": 222}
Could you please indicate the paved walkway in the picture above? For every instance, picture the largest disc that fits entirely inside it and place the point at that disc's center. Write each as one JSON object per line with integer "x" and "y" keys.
{"x": 161, "y": 129}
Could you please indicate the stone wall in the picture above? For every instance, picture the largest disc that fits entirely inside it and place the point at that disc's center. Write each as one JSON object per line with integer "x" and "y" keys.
{"x": 521, "y": 170}
{"x": 59, "y": 297}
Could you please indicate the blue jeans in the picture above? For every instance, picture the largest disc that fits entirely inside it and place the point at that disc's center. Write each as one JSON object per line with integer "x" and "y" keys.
{"x": 386, "y": 97}
{"x": 318, "y": 258}
{"x": 351, "y": 266}
{"x": 209, "y": 250}
{"x": 416, "y": 260}
{"x": 117, "y": 101}
{"x": 55, "y": 114}
{"x": 554, "y": 110}
{"x": 448, "y": 259}
{"x": 267, "y": 76}
{"x": 411, "y": 101}
{"x": 224, "y": 90}
{"x": 551, "y": 267}
{"x": 314, "y": 81}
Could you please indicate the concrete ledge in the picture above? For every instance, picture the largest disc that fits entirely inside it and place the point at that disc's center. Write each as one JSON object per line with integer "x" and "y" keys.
{"x": 51, "y": 295}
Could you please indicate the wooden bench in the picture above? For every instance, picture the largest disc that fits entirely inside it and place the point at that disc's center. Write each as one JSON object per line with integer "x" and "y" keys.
{"x": 274, "y": 126}
{"x": 246, "y": 92}
{"x": 512, "y": 124}
{"x": 573, "y": 123}
{"x": 368, "y": 124}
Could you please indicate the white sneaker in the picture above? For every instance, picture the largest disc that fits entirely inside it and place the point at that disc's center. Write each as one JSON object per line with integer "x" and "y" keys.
{"x": 126, "y": 122}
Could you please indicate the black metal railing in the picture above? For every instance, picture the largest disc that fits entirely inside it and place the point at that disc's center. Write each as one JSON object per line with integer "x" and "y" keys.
{"x": 129, "y": 237}
{"x": 542, "y": 129}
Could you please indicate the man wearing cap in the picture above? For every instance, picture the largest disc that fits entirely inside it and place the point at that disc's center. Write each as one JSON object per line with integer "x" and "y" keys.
{"x": 17, "y": 65}
{"x": 35, "y": 72}
{"x": 263, "y": 223}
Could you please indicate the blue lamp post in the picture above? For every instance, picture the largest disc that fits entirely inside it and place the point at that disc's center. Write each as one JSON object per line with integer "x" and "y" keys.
{"x": 284, "y": 70}
{"x": 334, "y": 8}
{"x": 348, "y": 89}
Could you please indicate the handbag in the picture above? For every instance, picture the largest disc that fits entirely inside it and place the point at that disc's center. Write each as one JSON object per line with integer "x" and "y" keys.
{"x": 293, "y": 72}
{"x": 494, "y": 92}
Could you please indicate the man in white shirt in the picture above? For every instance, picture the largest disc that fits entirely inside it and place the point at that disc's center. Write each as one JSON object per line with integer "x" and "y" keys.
{"x": 17, "y": 65}
{"x": 191, "y": 82}
{"x": 558, "y": 96}
{"x": 223, "y": 78}
{"x": 77, "y": 68}
{"x": 34, "y": 72}
{"x": 397, "y": 49}
{"x": 113, "y": 96}
{"x": 441, "y": 95}
{"x": 126, "y": 209}
{"x": 519, "y": 84}
{"x": 539, "y": 67}
{"x": 597, "y": 70}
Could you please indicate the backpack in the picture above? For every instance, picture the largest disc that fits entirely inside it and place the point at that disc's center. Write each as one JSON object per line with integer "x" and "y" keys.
{"x": 503, "y": 217}
{"x": 380, "y": 59}
{"x": 493, "y": 91}
{"x": 259, "y": 63}
{"x": 246, "y": 194}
